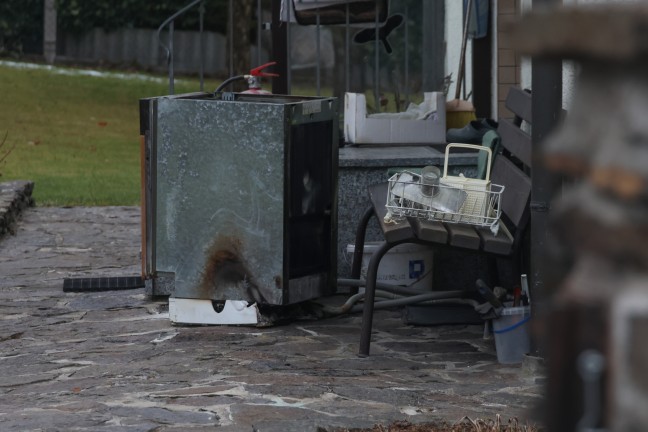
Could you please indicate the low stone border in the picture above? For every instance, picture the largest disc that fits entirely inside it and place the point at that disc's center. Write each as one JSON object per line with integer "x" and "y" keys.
{"x": 14, "y": 197}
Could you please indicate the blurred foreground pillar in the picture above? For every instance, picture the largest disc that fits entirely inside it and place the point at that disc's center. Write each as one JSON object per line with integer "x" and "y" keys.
{"x": 596, "y": 329}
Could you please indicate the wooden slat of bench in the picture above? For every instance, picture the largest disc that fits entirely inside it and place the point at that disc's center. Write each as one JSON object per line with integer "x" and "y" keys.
{"x": 515, "y": 140}
{"x": 392, "y": 232}
{"x": 519, "y": 102}
{"x": 500, "y": 244}
{"x": 463, "y": 236}
{"x": 517, "y": 188}
{"x": 431, "y": 231}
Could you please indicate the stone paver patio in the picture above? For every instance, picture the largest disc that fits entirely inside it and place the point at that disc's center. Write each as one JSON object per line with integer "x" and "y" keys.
{"x": 112, "y": 361}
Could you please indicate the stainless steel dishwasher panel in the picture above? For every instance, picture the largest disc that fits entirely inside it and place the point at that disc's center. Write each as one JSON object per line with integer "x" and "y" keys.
{"x": 241, "y": 197}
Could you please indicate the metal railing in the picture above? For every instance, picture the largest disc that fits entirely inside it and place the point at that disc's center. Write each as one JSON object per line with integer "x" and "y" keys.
{"x": 286, "y": 17}
{"x": 169, "y": 48}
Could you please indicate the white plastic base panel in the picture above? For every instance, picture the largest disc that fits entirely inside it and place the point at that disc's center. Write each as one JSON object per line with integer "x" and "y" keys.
{"x": 199, "y": 311}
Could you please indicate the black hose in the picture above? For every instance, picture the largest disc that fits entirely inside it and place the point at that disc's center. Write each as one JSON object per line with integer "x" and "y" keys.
{"x": 397, "y": 296}
{"x": 229, "y": 81}
{"x": 379, "y": 285}
{"x": 346, "y": 307}
{"x": 413, "y": 300}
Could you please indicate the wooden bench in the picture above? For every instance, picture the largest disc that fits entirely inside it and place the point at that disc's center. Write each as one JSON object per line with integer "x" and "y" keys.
{"x": 511, "y": 169}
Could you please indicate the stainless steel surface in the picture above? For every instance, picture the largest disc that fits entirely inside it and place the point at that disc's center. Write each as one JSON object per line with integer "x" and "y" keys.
{"x": 220, "y": 190}
{"x": 410, "y": 187}
{"x": 430, "y": 176}
{"x": 220, "y": 185}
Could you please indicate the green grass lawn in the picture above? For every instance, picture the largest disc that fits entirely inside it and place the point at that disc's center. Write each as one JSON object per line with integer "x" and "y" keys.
{"x": 76, "y": 137}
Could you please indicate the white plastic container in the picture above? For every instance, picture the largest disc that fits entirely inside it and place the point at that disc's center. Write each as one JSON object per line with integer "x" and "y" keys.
{"x": 362, "y": 128}
{"x": 511, "y": 331}
{"x": 402, "y": 265}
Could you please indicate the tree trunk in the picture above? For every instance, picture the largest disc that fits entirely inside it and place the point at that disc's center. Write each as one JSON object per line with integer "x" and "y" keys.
{"x": 240, "y": 44}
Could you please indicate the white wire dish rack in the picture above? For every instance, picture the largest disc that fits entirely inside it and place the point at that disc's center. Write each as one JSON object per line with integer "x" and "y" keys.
{"x": 450, "y": 201}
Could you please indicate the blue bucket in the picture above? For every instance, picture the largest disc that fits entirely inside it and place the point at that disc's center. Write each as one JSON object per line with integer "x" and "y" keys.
{"x": 511, "y": 331}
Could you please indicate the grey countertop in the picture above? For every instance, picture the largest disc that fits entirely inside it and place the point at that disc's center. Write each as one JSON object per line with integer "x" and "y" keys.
{"x": 377, "y": 156}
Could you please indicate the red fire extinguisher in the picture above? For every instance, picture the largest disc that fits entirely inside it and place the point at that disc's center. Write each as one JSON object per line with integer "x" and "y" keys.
{"x": 253, "y": 79}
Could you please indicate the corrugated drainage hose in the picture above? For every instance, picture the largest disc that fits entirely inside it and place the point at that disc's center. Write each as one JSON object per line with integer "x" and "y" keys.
{"x": 417, "y": 299}
{"x": 396, "y": 296}
{"x": 379, "y": 285}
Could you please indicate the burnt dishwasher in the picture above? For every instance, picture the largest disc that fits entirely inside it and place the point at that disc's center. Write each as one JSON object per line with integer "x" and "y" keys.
{"x": 239, "y": 202}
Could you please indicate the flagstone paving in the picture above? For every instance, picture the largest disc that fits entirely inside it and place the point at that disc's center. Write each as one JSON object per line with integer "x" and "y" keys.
{"x": 112, "y": 361}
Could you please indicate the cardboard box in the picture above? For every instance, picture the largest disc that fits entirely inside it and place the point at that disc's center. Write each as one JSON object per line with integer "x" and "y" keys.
{"x": 360, "y": 128}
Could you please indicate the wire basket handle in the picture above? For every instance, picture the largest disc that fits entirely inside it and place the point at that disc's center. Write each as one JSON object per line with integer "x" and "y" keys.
{"x": 468, "y": 146}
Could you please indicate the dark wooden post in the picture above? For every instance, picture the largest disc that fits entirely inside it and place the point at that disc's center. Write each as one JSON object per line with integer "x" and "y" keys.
{"x": 546, "y": 85}
{"x": 279, "y": 50}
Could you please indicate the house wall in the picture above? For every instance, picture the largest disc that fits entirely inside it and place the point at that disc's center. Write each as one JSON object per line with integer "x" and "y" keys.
{"x": 508, "y": 62}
